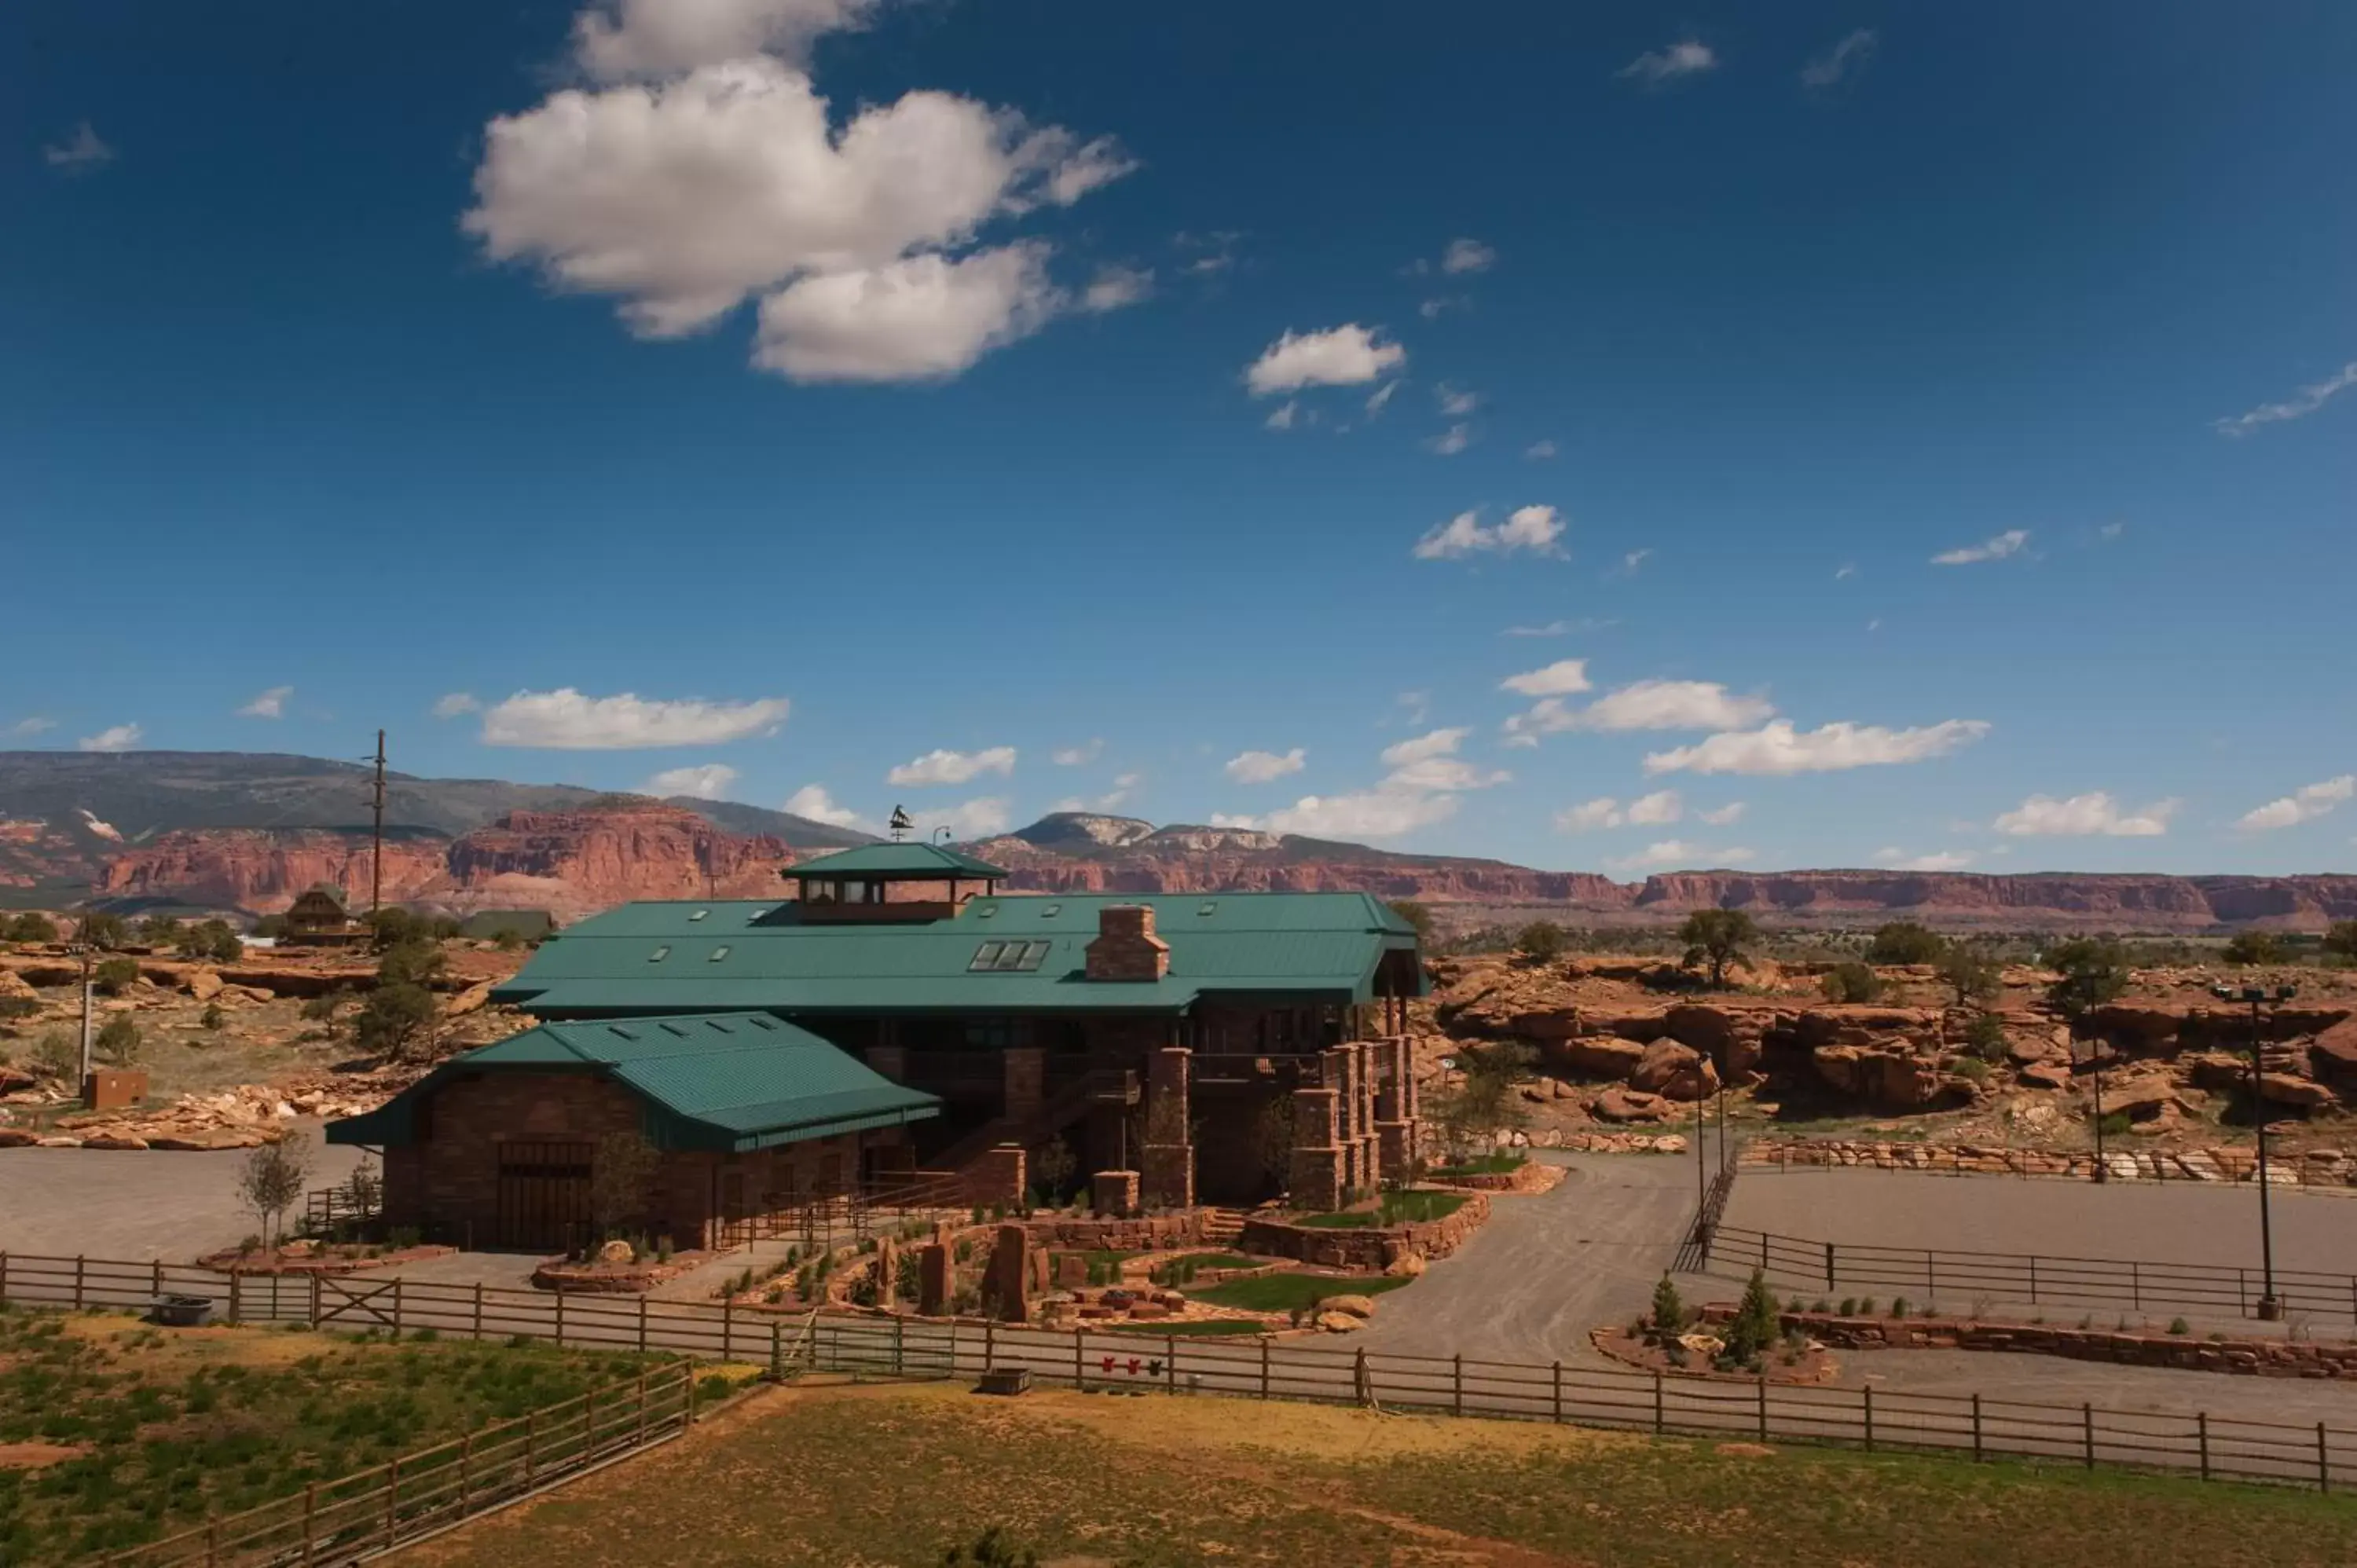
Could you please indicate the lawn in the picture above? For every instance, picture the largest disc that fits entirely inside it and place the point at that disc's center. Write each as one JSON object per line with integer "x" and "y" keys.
{"x": 894, "y": 1476}
{"x": 1291, "y": 1291}
{"x": 1504, "y": 1163}
{"x": 112, "y": 1432}
{"x": 1194, "y": 1329}
{"x": 1398, "y": 1209}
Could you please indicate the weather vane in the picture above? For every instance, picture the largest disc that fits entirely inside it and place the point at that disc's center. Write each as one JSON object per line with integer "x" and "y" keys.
{"x": 901, "y": 823}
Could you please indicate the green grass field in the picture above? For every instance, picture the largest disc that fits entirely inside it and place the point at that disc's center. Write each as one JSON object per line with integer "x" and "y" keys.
{"x": 886, "y": 1476}
{"x": 1396, "y": 1208}
{"x": 112, "y": 1432}
{"x": 1291, "y": 1291}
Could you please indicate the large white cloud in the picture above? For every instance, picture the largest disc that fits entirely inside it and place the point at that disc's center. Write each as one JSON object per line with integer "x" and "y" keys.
{"x": 1558, "y": 678}
{"x": 944, "y": 767}
{"x": 269, "y": 704}
{"x": 1531, "y": 528}
{"x": 1642, "y": 706}
{"x": 2096, "y": 813}
{"x": 1259, "y": 766}
{"x": 566, "y": 720}
{"x": 704, "y": 781}
{"x": 978, "y": 818}
{"x": 683, "y": 197}
{"x": 616, "y": 39}
{"x": 1669, "y": 854}
{"x": 1778, "y": 747}
{"x": 115, "y": 737}
{"x": 2302, "y": 805}
{"x": 2009, "y": 542}
{"x": 1422, "y": 788}
{"x": 1938, "y": 860}
{"x": 1346, "y": 356}
{"x": 811, "y": 800}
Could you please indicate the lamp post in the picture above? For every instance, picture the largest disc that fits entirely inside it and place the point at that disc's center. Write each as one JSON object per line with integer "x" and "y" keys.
{"x": 2259, "y": 997}
{"x": 2095, "y": 1058}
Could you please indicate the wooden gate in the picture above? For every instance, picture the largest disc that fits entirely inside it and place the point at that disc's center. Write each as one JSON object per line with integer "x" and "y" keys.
{"x": 368, "y": 1306}
{"x": 544, "y": 1197}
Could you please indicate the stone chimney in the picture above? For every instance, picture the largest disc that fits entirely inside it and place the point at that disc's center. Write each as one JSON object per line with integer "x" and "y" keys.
{"x": 1126, "y": 947}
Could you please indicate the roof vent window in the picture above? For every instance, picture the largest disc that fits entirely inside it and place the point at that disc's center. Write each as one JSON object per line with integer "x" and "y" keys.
{"x": 717, "y": 954}
{"x": 699, "y": 914}
{"x": 1051, "y": 912}
{"x": 1209, "y": 908}
{"x": 660, "y": 954}
{"x": 986, "y": 955}
{"x": 674, "y": 1029}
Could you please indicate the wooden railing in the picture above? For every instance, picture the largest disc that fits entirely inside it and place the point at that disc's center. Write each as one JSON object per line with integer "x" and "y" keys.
{"x": 812, "y": 1221}
{"x": 2023, "y": 1277}
{"x": 2319, "y": 1454}
{"x": 328, "y": 1209}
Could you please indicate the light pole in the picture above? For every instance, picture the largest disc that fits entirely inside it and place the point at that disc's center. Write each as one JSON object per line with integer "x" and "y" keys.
{"x": 2259, "y": 997}
{"x": 2095, "y": 1058}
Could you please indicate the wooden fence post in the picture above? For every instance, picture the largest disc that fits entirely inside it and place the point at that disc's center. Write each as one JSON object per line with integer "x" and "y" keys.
{"x": 1456, "y": 1385}
{"x": 1264, "y": 1367}
{"x": 899, "y": 1347}
{"x": 465, "y": 1470}
{"x": 642, "y": 1401}
{"x": 2323, "y": 1461}
{"x": 156, "y": 1278}
{"x": 1866, "y": 1393}
{"x": 2087, "y": 1416}
{"x": 79, "y": 1263}
{"x": 315, "y": 1301}
{"x": 4, "y": 1278}
{"x": 1829, "y": 1265}
{"x": 392, "y": 1495}
{"x": 310, "y": 1506}
{"x": 1659, "y": 1418}
{"x": 1077, "y": 1376}
{"x": 642, "y": 1326}
{"x": 531, "y": 1424}
{"x": 989, "y": 1343}
{"x": 777, "y": 1350}
{"x": 212, "y": 1536}
{"x": 236, "y": 1310}
{"x": 397, "y": 1313}
{"x": 479, "y": 1309}
{"x": 1977, "y": 1427}
{"x": 560, "y": 1319}
{"x": 728, "y": 1325}
{"x": 1558, "y": 1393}
{"x": 2202, "y": 1432}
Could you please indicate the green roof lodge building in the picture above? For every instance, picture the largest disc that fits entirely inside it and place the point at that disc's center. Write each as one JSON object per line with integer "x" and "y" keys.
{"x": 901, "y": 1021}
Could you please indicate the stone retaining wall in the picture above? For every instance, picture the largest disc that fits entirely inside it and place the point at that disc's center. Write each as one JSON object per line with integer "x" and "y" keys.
{"x": 1145, "y": 1233}
{"x": 2326, "y": 1168}
{"x": 1528, "y": 1179}
{"x": 1366, "y": 1250}
{"x": 2257, "y": 1358}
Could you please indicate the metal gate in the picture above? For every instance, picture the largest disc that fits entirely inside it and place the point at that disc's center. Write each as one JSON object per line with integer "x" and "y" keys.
{"x": 544, "y": 1197}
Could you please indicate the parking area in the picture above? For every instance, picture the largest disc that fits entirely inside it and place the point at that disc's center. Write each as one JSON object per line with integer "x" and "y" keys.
{"x": 138, "y": 1205}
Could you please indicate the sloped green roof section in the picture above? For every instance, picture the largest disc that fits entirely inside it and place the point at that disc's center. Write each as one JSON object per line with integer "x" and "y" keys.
{"x": 731, "y": 1081}
{"x": 888, "y": 860}
{"x": 690, "y": 957}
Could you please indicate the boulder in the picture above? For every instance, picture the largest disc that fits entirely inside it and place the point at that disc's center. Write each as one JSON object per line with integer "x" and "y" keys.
{"x": 2332, "y": 1055}
{"x": 1407, "y": 1266}
{"x": 15, "y": 1137}
{"x": 204, "y": 984}
{"x": 2220, "y": 1072}
{"x": 468, "y": 1001}
{"x": 2023, "y": 1050}
{"x": 1888, "y": 1075}
{"x": 2136, "y": 1025}
{"x": 2140, "y": 1098}
{"x": 1356, "y": 1306}
{"x": 1596, "y": 1056}
{"x": 1554, "y": 1024}
{"x": 1337, "y": 1322}
{"x": 1730, "y": 1039}
{"x": 2290, "y": 1089}
{"x": 2046, "y": 1075}
{"x": 113, "y": 1140}
{"x": 1620, "y": 1103}
{"x": 12, "y": 988}
{"x": 1674, "y": 1071}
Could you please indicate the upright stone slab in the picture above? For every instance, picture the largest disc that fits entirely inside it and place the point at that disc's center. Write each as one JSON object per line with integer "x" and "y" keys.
{"x": 1010, "y": 1274}
{"x": 996, "y": 1176}
{"x": 934, "y": 1277}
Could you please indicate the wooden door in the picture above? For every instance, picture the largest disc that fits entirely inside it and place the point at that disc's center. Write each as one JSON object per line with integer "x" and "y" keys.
{"x": 543, "y": 1194}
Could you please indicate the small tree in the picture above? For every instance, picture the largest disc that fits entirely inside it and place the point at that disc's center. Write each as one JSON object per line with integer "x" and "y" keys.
{"x": 1970, "y": 974}
{"x": 1668, "y": 1318}
{"x": 1053, "y": 1170}
{"x": 32, "y": 925}
{"x": 1484, "y": 1104}
{"x": 273, "y": 1179}
{"x": 159, "y": 930}
{"x": 620, "y": 1168}
{"x": 114, "y": 976}
{"x": 213, "y": 1018}
{"x": 2089, "y": 972}
{"x": 103, "y": 929}
{"x": 117, "y": 1044}
{"x": 2340, "y": 941}
{"x": 2253, "y": 947}
{"x": 1540, "y": 941}
{"x": 1984, "y": 1036}
{"x": 414, "y": 960}
{"x": 1757, "y": 1323}
{"x": 394, "y": 1019}
{"x": 1905, "y": 941}
{"x": 1852, "y": 982}
{"x": 212, "y": 939}
{"x": 57, "y": 1055}
{"x": 1718, "y": 937}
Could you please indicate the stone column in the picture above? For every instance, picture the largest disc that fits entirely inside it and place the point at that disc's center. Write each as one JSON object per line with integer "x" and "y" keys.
{"x": 1010, "y": 1273}
{"x": 1169, "y": 1163}
{"x": 934, "y": 1272}
{"x": 1027, "y": 1081}
{"x": 1116, "y": 1192}
{"x": 996, "y": 1176}
{"x": 1395, "y": 1132}
{"x": 1317, "y": 1170}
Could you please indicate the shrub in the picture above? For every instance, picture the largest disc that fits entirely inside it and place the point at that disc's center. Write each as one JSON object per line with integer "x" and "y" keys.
{"x": 32, "y": 926}
{"x": 2253, "y": 947}
{"x": 1973, "y": 1069}
{"x": 57, "y": 1055}
{"x": 1667, "y": 1319}
{"x": 1852, "y": 982}
{"x": 118, "y": 1042}
{"x": 2115, "y": 1124}
{"x": 114, "y": 976}
{"x": 1756, "y": 1325}
{"x": 2339, "y": 941}
{"x": 210, "y": 939}
{"x": 1984, "y": 1036}
{"x": 1415, "y": 915}
{"x": 213, "y": 1018}
{"x": 1850, "y": 1306}
{"x": 2178, "y": 1325}
{"x": 1905, "y": 941}
{"x": 393, "y": 1018}
{"x": 1540, "y": 941}
{"x": 103, "y": 929}
{"x": 1899, "y": 1306}
{"x": 2089, "y": 971}
{"x": 412, "y": 959}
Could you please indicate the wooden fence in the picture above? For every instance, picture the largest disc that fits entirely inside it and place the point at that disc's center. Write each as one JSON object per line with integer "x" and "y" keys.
{"x": 2316, "y": 1454}
{"x": 1933, "y": 1276}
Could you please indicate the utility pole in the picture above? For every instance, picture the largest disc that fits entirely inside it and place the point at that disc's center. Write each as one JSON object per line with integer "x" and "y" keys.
{"x": 376, "y": 864}
{"x": 84, "y": 943}
{"x": 2270, "y": 1305}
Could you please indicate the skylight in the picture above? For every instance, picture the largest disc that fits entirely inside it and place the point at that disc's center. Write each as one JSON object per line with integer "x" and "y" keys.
{"x": 660, "y": 954}
{"x": 699, "y": 915}
{"x": 719, "y": 953}
{"x": 1000, "y": 958}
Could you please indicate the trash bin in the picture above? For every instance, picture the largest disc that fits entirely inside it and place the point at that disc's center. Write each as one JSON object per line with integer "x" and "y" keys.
{"x": 182, "y": 1311}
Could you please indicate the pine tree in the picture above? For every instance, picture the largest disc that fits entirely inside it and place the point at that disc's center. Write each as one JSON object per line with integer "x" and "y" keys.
{"x": 1757, "y": 1323}
{"x": 1668, "y": 1318}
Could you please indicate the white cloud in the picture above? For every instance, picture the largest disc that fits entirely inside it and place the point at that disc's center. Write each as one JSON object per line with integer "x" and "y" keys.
{"x": 1113, "y": 800}
{"x": 566, "y": 720}
{"x": 1114, "y": 287}
{"x": 1282, "y": 417}
{"x": 1642, "y": 706}
{"x": 1423, "y": 747}
{"x": 1723, "y": 816}
{"x": 1558, "y": 678}
{"x": 1455, "y": 402}
{"x": 1844, "y": 60}
{"x": 1381, "y": 396}
{"x": 33, "y": 725}
{"x": 117, "y": 737}
{"x": 1656, "y": 810}
{"x": 452, "y": 704}
{"x": 683, "y": 197}
{"x": 1604, "y": 811}
{"x": 1421, "y": 789}
{"x": 1429, "y": 763}
{"x": 617, "y": 39}
{"x": 2093, "y": 813}
{"x": 1534, "y": 529}
{"x": 1540, "y": 451}
{"x": 1679, "y": 854}
{"x": 946, "y": 767}
{"x": 2009, "y": 542}
{"x": 79, "y": 153}
{"x": 708, "y": 781}
{"x": 2302, "y": 805}
{"x": 1078, "y": 755}
{"x": 1452, "y": 441}
{"x": 811, "y": 800}
{"x": 2110, "y": 531}
{"x": 978, "y": 818}
{"x": 2302, "y": 404}
{"x": 1467, "y": 256}
{"x": 1779, "y": 748}
{"x": 1259, "y": 766}
{"x": 1843, "y": 573}
{"x": 270, "y": 704}
{"x": 1345, "y": 356}
{"x": 1941, "y": 859}
{"x": 1632, "y": 561}
{"x": 1686, "y": 58}
{"x": 926, "y": 318}
{"x": 1440, "y": 304}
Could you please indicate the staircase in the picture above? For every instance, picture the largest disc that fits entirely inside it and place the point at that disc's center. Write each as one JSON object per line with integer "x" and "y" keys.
{"x": 1098, "y": 1086}
{"x": 1222, "y": 1227}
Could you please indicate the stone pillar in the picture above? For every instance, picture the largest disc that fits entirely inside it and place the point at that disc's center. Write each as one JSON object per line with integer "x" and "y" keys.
{"x": 1027, "y": 1081}
{"x": 1169, "y": 1166}
{"x": 1010, "y": 1277}
{"x": 1317, "y": 1170}
{"x": 1116, "y": 1193}
{"x": 933, "y": 1276}
{"x": 996, "y": 1176}
{"x": 891, "y": 1062}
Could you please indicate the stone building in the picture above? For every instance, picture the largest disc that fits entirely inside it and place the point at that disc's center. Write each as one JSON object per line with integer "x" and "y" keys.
{"x": 698, "y": 1120}
{"x": 1221, "y": 1045}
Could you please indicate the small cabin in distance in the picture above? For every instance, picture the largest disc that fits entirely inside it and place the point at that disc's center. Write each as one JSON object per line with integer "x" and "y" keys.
{"x": 318, "y": 919}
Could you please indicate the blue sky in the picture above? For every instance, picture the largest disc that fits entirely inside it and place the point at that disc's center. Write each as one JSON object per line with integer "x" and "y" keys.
{"x": 1506, "y": 429}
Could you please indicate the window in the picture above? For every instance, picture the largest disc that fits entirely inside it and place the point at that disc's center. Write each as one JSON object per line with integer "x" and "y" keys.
{"x": 717, "y": 954}
{"x": 1052, "y": 910}
{"x": 698, "y": 915}
{"x": 660, "y": 954}
{"x": 986, "y": 955}
{"x": 1018, "y": 957}
{"x": 1209, "y": 910}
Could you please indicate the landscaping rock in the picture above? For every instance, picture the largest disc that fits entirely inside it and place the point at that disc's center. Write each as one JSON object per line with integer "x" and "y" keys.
{"x": 1356, "y": 1306}
{"x": 204, "y": 984}
{"x": 1674, "y": 1072}
{"x": 2140, "y": 1098}
{"x": 1621, "y": 1104}
{"x": 2046, "y": 1075}
{"x": 1596, "y": 1056}
{"x": 2285, "y": 1088}
{"x": 1339, "y": 1322}
{"x": 617, "y": 1252}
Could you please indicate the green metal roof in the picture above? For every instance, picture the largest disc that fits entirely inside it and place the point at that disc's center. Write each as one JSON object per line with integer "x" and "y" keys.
{"x": 732, "y": 1080}
{"x": 686, "y": 957}
{"x": 886, "y": 860}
